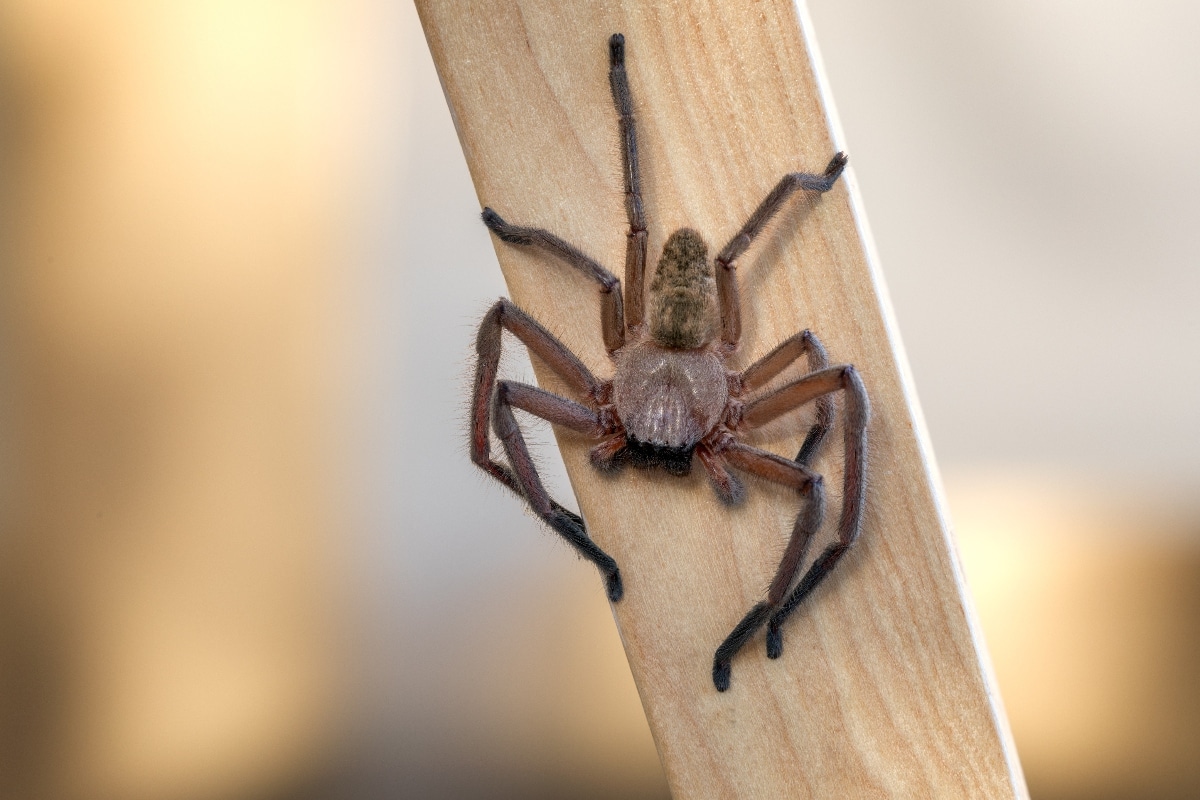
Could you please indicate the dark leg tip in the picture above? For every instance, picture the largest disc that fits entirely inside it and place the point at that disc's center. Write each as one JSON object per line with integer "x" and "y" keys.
{"x": 506, "y": 232}
{"x": 616, "y": 49}
{"x": 721, "y": 673}
{"x": 732, "y": 494}
{"x": 836, "y": 165}
{"x": 774, "y": 643}
{"x": 614, "y": 586}
{"x": 494, "y": 221}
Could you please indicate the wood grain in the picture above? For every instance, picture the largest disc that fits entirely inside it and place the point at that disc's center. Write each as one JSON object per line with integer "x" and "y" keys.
{"x": 883, "y": 689}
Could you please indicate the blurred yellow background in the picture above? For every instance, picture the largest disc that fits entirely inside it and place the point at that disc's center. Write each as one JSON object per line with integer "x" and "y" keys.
{"x": 244, "y": 553}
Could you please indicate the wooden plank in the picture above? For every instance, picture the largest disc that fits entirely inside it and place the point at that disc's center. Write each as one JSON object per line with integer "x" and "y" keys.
{"x": 883, "y": 689}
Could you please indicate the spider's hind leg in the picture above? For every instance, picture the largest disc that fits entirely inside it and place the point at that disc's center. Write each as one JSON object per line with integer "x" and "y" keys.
{"x": 726, "y": 261}
{"x": 612, "y": 310}
{"x": 635, "y": 249}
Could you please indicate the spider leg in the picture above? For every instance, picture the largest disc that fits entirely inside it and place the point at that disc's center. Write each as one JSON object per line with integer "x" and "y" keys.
{"x": 612, "y": 313}
{"x": 808, "y": 521}
{"x": 604, "y": 455}
{"x": 761, "y": 372}
{"x": 635, "y": 249}
{"x": 727, "y": 294}
{"x": 522, "y": 477}
{"x": 728, "y": 487}
{"x": 793, "y": 395}
{"x": 558, "y": 411}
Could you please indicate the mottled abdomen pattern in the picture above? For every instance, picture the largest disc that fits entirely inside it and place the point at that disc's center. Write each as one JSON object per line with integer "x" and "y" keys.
{"x": 683, "y": 293}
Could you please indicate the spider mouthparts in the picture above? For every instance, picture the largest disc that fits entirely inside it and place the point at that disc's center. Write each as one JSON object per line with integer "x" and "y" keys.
{"x": 646, "y": 455}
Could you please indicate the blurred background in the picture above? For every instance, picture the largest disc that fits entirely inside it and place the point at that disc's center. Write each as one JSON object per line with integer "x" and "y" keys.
{"x": 243, "y": 551}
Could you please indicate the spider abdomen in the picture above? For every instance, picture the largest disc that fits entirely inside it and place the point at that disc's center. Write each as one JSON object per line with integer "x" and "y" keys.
{"x": 683, "y": 293}
{"x": 667, "y": 398}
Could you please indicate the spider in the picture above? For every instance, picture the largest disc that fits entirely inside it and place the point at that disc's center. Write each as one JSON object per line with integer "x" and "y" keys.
{"x": 672, "y": 398}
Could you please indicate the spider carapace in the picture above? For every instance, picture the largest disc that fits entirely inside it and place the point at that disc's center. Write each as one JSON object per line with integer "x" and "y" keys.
{"x": 673, "y": 398}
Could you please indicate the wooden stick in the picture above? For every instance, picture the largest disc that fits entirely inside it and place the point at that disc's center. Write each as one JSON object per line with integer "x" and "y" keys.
{"x": 883, "y": 688}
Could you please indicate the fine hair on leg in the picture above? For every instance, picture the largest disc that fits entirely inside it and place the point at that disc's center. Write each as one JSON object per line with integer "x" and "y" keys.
{"x": 843, "y": 378}
{"x": 635, "y": 248}
{"x": 499, "y": 398}
{"x": 761, "y": 372}
{"x": 568, "y": 525}
{"x": 808, "y": 485}
{"x": 727, "y": 294}
{"x": 612, "y": 312}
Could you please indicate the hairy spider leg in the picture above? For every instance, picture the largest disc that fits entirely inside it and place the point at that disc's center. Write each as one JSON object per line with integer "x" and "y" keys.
{"x": 522, "y": 477}
{"x": 727, "y": 291}
{"x": 808, "y": 522}
{"x": 635, "y": 248}
{"x": 729, "y": 488}
{"x": 843, "y": 378}
{"x": 761, "y": 372}
{"x": 559, "y": 411}
{"x": 612, "y": 313}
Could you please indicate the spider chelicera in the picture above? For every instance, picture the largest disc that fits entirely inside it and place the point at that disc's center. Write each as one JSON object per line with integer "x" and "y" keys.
{"x": 672, "y": 398}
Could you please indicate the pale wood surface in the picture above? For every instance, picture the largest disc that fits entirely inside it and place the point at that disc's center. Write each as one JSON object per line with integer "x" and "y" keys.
{"x": 882, "y": 690}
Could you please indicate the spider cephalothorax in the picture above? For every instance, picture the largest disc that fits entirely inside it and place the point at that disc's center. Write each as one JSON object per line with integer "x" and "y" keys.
{"x": 673, "y": 398}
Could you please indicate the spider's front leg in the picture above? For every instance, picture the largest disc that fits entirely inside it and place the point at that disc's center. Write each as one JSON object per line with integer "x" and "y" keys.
{"x": 808, "y": 485}
{"x": 558, "y": 411}
{"x": 520, "y": 475}
{"x": 780, "y": 602}
{"x": 845, "y": 379}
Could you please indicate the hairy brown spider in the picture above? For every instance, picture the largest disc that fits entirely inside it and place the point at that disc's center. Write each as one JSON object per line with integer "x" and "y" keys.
{"x": 672, "y": 398}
